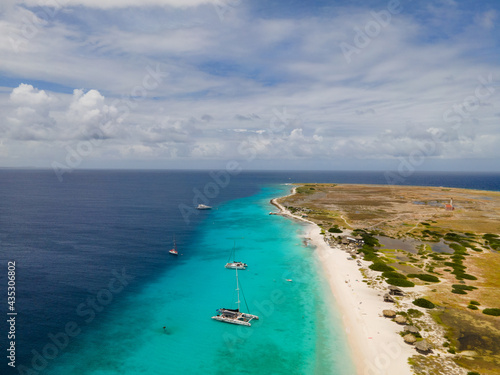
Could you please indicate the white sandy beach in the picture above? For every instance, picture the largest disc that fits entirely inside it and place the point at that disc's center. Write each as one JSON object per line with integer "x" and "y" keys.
{"x": 376, "y": 346}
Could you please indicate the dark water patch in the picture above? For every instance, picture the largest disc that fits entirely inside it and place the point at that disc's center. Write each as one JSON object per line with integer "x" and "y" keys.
{"x": 407, "y": 244}
{"x": 411, "y": 245}
{"x": 440, "y": 247}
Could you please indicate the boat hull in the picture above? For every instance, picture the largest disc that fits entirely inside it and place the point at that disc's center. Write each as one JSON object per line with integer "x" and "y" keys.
{"x": 236, "y": 266}
{"x": 231, "y": 321}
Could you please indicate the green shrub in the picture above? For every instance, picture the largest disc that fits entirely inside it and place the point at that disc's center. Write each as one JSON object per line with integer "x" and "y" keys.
{"x": 463, "y": 287}
{"x": 468, "y": 277}
{"x": 454, "y": 265}
{"x": 422, "y": 302}
{"x": 458, "y": 291}
{"x": 474, "y": 303}
{"x": 393, "y": 275}
{"x": 473, "y": 307}
{"x": 493, "y": 312}
{"x": 414, "y": 313}
{"x": 458, "y": 248}
{"x": 400, "y": 282}
{"x": 370, "y": 257}
{"x": 381, "y": 267}
{"x": 473, "y": 373}
{"x": 424, "y": 277}
{"x": 335, "y": 230}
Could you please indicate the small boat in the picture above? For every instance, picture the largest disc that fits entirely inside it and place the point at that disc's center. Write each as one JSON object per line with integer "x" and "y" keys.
{"x": 234, "y": 264}
{"x": 235, "y": 316}
{"x": 174, "y": 250}
{"x": 203, "y": 207}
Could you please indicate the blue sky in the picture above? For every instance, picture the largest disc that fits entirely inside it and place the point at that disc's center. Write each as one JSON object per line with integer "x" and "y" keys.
{"x": 271, "y": 84}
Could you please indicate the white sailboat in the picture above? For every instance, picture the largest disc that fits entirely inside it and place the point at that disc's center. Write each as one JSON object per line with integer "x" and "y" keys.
{"x": 174, "y": 250}
{"x": 235, "y": 316}
{"x": 203, "y": 207}
{"x": 234, "y": 264}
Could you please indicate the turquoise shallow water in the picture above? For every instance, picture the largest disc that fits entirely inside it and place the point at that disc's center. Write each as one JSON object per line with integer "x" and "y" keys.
{"x": 297, "y": 332}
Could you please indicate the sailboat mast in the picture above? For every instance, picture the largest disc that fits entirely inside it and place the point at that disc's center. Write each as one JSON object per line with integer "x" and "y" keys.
{"x": 237, "y": 289}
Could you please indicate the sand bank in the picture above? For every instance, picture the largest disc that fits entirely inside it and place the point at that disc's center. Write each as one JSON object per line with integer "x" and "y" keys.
{"x": 376, "y": 346}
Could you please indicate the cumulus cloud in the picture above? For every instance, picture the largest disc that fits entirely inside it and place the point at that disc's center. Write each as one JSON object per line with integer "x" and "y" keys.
{"x": 27, "y": 95}
{"x": 224, "y": 84}
{"x": 30, "y": 115}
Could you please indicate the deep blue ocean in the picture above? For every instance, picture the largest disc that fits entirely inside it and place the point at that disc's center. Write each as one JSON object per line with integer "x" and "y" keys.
{"x": 95, "y": 284}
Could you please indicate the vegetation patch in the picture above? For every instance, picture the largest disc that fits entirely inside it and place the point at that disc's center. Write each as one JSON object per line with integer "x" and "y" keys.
{"x": 381, "y": 267}
{"x": 400, "y": 282}
{"x": 422, "y": 302}
{"x": 492, "y": 312}
{"x": 463, "y": 287}
{"x": 305, "y": 190}
{"x": 492, "y": 240}
{"x": 424, "y": 277}
{"x": 393, "y": 275}
{"x": 335, "y": 229}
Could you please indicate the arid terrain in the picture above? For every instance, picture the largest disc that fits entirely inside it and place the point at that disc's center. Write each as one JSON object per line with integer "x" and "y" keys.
{"x": 451, "y": 255}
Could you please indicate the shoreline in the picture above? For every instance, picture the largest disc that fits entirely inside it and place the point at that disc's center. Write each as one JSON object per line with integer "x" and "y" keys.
{"x": 374, "y": 341}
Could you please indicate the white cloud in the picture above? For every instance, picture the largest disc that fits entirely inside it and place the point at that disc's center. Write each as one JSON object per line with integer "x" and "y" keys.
{"x": 108, "y": 4}
{"x": 225, "y": 80}
{"x": 27, "y": 95}
{"x": 487, "y": 19}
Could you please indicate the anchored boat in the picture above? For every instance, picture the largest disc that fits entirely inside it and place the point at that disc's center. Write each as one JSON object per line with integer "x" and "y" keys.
{"x": 203, "y": 207}
{"x": 234, "y": 264}
{"x": 235, "y": 316}
{"x": 174, "y": 250}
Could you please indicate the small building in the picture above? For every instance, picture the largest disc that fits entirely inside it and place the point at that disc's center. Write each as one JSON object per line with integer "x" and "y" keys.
{"x": 400, "y": 319}
{"x": 388, "y": 298}
{"x": 423, "y": 346}
{"x": 355, "y": 240}
{"x": 395, "y": 291}
{"x": 449, "y": 206}
{"x": 389, "y": 313}
{"x": 411, "y": 329}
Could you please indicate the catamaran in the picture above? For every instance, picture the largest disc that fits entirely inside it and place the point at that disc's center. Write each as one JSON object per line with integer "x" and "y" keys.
{"x": 235, "y": 316}
{"x": 234, "y": 264}
{"x": 174, "y": 250}
{"x": 203, "y": 207}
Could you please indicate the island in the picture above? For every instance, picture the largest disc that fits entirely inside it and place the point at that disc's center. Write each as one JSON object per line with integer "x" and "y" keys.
{"x": 414, "y": 271}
